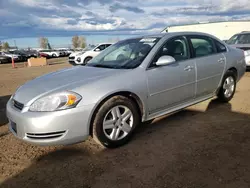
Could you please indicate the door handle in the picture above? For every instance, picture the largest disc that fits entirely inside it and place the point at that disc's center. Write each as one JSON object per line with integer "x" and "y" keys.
{"x": 221, "y": 60}
{"x": 188, "y": 68}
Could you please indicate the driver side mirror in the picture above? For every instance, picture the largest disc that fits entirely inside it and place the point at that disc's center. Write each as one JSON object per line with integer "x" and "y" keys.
{"x": 97, "y": 50}
{"x": 165, "y": 60}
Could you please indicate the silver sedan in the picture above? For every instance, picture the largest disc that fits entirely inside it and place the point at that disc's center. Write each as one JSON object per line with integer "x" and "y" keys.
{"x": 132, "y": 81}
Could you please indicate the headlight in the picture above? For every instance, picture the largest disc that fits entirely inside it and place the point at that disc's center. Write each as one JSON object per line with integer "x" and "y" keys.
{"x": 55, "y": 102}
{"x": 247, "y": 53}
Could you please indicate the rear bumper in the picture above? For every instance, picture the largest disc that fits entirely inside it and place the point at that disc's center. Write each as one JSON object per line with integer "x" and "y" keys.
{"x": 50, "y": 128}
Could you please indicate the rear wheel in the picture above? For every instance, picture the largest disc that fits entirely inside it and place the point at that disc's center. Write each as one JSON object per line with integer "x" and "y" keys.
{"x": 86, "y": 60}
{"x": 53, "y": 55}
{"x": 228, "y": 87}
{"x": 115, "y": 122}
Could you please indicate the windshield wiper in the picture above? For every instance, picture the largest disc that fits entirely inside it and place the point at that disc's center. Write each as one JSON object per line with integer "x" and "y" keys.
{"x": 100, "y": 66}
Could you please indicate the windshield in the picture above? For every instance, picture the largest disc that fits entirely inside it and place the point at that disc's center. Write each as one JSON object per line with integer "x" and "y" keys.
{"x": 239, "y": 39}
{"x": 127, "y": 54}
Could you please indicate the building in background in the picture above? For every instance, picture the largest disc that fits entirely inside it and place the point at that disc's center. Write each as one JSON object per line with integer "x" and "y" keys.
{"x": 223, "y": 30}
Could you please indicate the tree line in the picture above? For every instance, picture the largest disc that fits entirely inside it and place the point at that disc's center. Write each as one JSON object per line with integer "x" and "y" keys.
{"x": 77, "y": 42}
{"x": 4, "y": 46}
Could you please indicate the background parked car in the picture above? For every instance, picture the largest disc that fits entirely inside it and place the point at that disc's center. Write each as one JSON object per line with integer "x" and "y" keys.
{"x": 14, "y": 56}
{"x": 51, "y": 53}
{"x": 83, "y": 57}
{"x": 242, "y": 41}
{"x": 4, "y": 59}
{"x": 22, "y": 55}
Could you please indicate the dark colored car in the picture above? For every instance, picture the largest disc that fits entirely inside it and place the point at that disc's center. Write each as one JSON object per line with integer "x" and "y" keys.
{"x": 25, "y": 55}
{"x": 4, "y": 59}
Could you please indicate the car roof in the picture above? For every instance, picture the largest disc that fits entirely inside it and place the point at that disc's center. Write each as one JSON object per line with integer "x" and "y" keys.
{"x": 243, "y": 32}
{"x": 172, "y": 34}
{"x": 105, "y": 43}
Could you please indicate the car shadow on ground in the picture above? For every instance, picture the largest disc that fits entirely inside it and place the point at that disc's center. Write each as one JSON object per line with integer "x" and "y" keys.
{"x": 187, "y": 149}
{"x": 3, "y": 102}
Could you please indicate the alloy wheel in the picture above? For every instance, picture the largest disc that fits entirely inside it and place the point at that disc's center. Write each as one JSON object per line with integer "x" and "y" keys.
{"x": 229, "y": 86}
{"x": 118, "y": 123}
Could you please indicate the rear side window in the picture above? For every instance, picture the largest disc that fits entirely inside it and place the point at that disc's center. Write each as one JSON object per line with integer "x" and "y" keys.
{"x": 203, "y": 46}
{"x": 220, "y": 47}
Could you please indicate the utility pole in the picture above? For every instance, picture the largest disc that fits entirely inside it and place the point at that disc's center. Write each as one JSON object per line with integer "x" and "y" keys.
{"x": 15, "y": 43}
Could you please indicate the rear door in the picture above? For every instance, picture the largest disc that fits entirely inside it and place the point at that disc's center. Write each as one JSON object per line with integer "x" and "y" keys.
{"x": 210, "y": 64}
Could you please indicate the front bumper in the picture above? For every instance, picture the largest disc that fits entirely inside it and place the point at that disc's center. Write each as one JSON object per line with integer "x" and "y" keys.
{"x": 72, "y": 62}
{"x": 50, "y": 128}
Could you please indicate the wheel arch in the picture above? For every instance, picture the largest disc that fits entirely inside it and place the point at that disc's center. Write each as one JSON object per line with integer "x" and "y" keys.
{"x": 132, "y": 96}
{"x": 89, "y": 56}
{"x": 234, "y": 70}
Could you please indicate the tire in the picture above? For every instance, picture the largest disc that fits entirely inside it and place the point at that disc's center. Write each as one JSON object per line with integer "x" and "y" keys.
{"x": 112, "y": 135}
{"x": 86, "y": 60}
{"x": 229, "y": 85}
{"x": 1, "y": 62}
{"x": 54, "y": 55}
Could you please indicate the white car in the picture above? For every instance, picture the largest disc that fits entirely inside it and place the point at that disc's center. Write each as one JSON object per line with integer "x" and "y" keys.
{"x": 247, "y": 58}
{"x": 51, "y": 53}
{"x": 82, "y": 58}
{"x": 14, "y": 56}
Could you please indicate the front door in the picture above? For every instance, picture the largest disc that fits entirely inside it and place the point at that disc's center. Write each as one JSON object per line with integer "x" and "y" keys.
{"x": 172, "y": 84}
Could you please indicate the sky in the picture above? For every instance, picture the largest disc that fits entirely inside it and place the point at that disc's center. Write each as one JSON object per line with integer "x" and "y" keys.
{"x": 23, "y": 21}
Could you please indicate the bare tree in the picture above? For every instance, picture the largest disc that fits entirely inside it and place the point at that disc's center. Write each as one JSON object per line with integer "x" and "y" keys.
{"x": 43, "y": 42}
{"x": 81, "y": 42}
{"x": 6, "y": 46}
{"x": 75, "y": 41}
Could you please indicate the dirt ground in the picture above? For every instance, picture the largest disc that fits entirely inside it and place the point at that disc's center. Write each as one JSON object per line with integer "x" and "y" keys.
{"x": 206, "y": 145}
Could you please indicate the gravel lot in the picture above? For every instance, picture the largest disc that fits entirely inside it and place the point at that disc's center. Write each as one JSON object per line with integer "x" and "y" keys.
{"x": 206, "y": 145}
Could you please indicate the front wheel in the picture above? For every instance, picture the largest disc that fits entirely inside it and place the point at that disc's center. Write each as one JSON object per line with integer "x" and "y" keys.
{"x": 115, "y": 122}
{"x": 86, "y": 60}
{"x": 228, "y": 87}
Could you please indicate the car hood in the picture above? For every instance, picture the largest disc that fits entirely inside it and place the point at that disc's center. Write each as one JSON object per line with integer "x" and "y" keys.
{"x": 65, "y": 79}
{"x": 75, "y": 53}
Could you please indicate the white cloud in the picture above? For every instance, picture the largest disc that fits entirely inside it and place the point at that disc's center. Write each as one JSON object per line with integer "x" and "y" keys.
{"x": 44, "y": 4}
{"x": 94, "y": 16}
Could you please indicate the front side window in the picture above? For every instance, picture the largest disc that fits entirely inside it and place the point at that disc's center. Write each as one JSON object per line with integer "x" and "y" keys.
{"x": 202, "y": 46}
{"x": 107, "y": 45}
{"x": 101, "y": 47}
{"x": 127, "y": 54}
{"x": 177, "y": 48}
